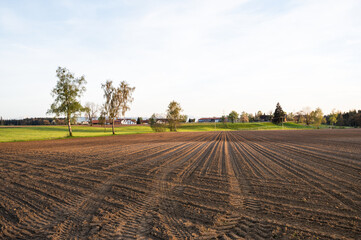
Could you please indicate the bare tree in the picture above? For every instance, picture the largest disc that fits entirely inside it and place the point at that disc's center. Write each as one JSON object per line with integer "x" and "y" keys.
{"x": 307, "y": 115}
{"x": 257, "y": 116}
{"x": 66, "y": 92}
{"x": 116, "y": 100}
{"x": 126, "y": 96}
{"x": 111, "y": 106}
{"x": 290, "y": 117}
{"x": 244, "y": 117}
{"x": 91, "y": 109}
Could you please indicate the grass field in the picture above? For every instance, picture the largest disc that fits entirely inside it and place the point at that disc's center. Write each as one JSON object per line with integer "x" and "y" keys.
{"x": 27, "y": 133}
{"x": 31, "y": 133}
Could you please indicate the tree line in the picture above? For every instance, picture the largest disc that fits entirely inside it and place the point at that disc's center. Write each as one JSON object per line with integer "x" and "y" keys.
{"x": 32, "y": 121}
{"x": 305, "y": 116}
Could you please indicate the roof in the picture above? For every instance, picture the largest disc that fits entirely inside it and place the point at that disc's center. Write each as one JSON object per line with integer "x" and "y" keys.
{"x": 212, "y": 118}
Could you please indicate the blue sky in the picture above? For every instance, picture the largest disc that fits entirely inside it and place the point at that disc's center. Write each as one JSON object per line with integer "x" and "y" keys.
{"x": 211, "y": 56}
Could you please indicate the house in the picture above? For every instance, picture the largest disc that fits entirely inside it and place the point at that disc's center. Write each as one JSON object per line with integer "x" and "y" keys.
{"x": 265, "y": 118}
{"x": 162, "y": 120}
{"x": 213, "y": 119}
{"x": 128, "y": 121}
{"x": 97, "y": 122}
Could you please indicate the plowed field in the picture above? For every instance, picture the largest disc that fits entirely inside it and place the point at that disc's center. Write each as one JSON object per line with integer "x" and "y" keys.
{"x": 227, "y": 185}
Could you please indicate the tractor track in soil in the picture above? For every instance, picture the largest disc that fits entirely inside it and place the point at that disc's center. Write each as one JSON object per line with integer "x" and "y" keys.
{"x": 210, "y": 185}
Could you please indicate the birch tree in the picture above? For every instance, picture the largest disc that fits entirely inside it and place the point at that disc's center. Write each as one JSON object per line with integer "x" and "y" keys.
{"x": 117, "y": 100}
{"x": 67, "y": 92}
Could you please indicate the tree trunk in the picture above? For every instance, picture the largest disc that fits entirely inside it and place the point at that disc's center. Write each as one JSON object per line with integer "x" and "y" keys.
{"x": 113, "y": 127}
{"x": 69, "y": 127}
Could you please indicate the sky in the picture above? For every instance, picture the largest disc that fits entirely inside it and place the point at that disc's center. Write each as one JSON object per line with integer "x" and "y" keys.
{"x": 211, "y": 56}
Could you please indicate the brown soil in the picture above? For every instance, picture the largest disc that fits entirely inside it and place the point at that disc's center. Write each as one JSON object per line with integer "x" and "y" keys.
{"x": 225, "y": 185}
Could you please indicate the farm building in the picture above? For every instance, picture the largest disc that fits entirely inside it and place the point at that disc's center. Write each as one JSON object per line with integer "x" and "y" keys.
{"x": 126, "y": 121}
{"x": 162, "y": 120}
{"x": 214, "y": 119}
{"x": 265, "y": 118}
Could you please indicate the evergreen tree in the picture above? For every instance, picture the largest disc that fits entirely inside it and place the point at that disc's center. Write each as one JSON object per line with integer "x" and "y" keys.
{"x": 278, "y": 115}
{"x": 139, "y": 120}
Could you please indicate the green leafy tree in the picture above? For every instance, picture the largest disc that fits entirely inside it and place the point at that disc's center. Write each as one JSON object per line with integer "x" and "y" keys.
{"x": 152, "y": 120}
{"x": 278, "y": 115}
{"x": 340, "y": 120}
{"x": 223, "y": 118}
{"x": 102, "y": 119}
{"x": 155, "y": 125}
{"x": 317, "y": 117}
{"x": 333, "y": 117}
{"x": 116, "y": 100}
{"x": 184, "y": 118}
{"x": 67, "y": 92}
{"x": 233, "y": 116}
{"x": 251, "y": 117}
{"x": 174, "y": 115}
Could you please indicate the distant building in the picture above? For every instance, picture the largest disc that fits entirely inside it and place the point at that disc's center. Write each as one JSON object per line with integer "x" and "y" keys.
{"x": 162, "y": 120}
{"x": 126, "y": 121}
{"x": 214, "y": 119}
{"x": 265, "y": 118}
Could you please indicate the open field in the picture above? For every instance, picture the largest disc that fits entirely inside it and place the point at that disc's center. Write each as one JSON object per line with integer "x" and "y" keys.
{"x": 225, "y": 185}
{"x": 31, "y": 133}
